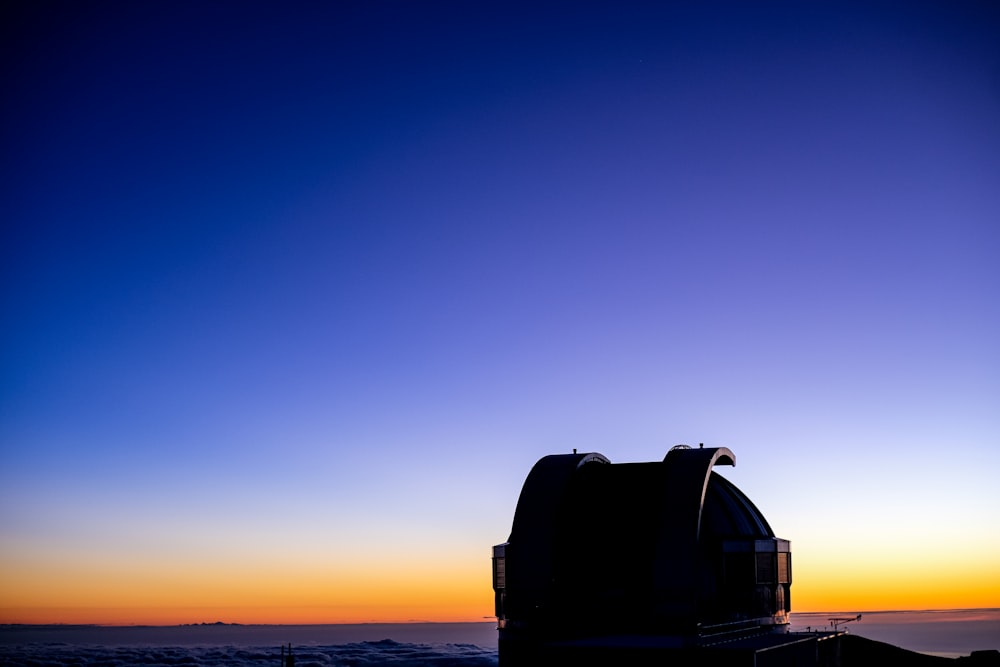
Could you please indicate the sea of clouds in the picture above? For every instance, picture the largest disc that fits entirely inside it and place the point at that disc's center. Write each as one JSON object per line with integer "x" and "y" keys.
{"x": 950, "y": 633}
{"x": 383, "y": 652}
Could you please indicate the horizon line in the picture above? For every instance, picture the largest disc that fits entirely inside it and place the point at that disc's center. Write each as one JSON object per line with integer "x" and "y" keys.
{"x": 485, "y": 619}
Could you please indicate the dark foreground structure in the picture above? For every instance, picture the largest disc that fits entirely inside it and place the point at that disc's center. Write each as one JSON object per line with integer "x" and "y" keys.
{"x": 643, "y": 561}
{"x": 652, "y": 564}
{"x": 662, "y": 563}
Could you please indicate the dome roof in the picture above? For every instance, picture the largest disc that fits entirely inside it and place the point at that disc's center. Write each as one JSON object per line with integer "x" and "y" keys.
{"x": 727, "y": 513}
{"x": 664, "y": 548}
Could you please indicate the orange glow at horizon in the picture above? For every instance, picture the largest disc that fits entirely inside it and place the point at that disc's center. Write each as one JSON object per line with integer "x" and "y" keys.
{"x": 113, "y": 594}
{"x": 391, "y": 598}
{"x": 317, "y": 615}
{"x": 273, "y": 588}
{"x": 872, "y": 584}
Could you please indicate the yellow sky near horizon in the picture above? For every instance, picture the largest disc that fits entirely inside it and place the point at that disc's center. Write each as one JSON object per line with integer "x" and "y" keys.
{"x": 456, "y": 591}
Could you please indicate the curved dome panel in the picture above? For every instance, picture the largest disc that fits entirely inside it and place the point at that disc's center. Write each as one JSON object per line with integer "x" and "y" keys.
{"x": 728, "y": 513}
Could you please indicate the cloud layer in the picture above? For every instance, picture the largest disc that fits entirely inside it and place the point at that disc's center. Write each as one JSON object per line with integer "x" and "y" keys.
{"x": 384, "y": 652}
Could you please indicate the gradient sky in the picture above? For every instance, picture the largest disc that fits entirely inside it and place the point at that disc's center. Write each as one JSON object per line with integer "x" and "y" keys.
{"x": 293, "y": 297}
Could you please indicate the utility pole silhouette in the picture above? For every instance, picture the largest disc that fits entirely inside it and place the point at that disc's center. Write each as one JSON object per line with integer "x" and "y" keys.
{"x": 287, "y": 659}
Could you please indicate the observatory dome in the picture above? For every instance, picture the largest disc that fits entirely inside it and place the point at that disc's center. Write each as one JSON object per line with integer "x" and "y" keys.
{"x": 665, "y": 548}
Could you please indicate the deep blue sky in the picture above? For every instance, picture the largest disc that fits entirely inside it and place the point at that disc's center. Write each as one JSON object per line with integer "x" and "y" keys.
{"x": 352, "y": 265}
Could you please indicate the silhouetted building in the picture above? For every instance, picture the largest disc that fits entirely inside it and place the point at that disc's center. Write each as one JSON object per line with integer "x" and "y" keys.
{"x": 642, "y": 559}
